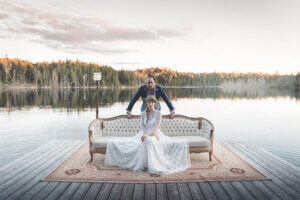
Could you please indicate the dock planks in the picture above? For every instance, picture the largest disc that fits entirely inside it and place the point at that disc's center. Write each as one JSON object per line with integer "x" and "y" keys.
{"x": 20, "y": 179}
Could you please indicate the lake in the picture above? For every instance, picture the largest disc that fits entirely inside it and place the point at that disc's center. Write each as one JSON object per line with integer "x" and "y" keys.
{"x": 267, "y": 118}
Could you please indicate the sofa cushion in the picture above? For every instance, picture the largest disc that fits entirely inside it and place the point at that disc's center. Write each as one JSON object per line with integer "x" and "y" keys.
{"x": 195, "y": 141}
{"x": 102, "y": 141}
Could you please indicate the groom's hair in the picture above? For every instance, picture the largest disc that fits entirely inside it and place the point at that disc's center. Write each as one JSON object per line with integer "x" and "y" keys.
{"x": 152, "y": 76}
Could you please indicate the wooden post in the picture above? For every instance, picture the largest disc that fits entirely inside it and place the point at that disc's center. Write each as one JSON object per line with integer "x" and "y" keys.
{"x": 97, "y": 78}
{"x": 97, "y": 109}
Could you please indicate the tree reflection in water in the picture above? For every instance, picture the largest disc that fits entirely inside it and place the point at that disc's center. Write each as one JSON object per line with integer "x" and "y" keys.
{"x": 80, "y": 99}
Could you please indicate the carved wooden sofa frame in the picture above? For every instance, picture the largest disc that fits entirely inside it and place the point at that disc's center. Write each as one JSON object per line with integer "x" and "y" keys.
{"x": 97, "y": 125}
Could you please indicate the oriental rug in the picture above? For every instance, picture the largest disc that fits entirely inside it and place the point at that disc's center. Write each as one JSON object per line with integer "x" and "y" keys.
{"x": 225, "y": 166}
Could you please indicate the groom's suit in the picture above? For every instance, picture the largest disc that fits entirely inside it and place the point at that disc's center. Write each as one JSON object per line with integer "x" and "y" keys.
{"x": 143, "y": 92}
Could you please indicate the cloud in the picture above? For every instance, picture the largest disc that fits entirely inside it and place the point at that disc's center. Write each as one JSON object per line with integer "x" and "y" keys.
{"x": 81, "y": 48}
{"x": 70, "y": 32}
{"x": 172, "y": 33}
{"x": 4, "y": 16}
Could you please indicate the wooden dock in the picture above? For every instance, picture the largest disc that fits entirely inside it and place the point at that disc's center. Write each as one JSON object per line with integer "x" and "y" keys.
{"x": 20, "y": 179}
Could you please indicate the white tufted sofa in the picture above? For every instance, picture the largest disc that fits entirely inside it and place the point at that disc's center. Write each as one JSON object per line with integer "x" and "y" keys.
{"x": 199, "y": 132}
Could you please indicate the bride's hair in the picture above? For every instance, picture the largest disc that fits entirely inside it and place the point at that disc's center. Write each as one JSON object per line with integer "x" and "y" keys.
{"x": 148, "y": 113}
{"x": 149, "y": 98}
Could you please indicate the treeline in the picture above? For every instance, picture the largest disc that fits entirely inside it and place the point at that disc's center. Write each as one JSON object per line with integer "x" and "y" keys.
{"x": 68, "y": 73}
{"x": 297, "y": 83}
{"x": 258, "y": 80}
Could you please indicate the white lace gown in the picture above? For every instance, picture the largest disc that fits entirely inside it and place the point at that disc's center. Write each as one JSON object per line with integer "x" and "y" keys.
{"x": 168, "y": 155}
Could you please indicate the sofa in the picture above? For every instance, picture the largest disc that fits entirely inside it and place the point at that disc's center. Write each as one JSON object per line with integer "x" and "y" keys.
{"x": 199, "y": 132}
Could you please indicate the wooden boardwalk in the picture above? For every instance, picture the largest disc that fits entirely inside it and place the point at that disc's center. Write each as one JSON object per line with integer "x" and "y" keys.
{"x": 20, "y": 179}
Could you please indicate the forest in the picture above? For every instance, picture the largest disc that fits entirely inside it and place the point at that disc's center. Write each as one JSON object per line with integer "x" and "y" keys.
{"x": 76, "y": 74}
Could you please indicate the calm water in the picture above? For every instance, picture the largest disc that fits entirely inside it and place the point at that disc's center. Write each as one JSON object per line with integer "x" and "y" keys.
{"x": 268, "y": 118}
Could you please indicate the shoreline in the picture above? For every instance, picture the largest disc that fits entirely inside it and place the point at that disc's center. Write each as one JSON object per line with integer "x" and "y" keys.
{"x": 18, "y": 87}
{"x": 94, "y": 87}
{"x": 64, "y": 87}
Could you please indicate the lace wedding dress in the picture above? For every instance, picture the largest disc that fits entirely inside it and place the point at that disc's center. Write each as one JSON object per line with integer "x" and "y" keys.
{"x": 168, "y": 155}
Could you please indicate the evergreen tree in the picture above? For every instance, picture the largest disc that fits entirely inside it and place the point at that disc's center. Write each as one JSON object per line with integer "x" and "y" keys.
{"x": 297, "y": 82}
{"x": 70, "y": 73}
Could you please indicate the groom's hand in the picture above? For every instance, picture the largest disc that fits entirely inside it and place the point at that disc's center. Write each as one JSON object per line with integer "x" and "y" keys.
{"x": 172, "y": 115}
{"x": 129, "y": 116}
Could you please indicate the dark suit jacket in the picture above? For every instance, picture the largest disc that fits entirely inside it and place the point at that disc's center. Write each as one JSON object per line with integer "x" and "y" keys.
{"x": 142, "y": 92}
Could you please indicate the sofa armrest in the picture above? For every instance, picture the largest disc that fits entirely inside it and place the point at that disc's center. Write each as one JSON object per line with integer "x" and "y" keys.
{"x": 206, "y": 129}
{"x": 95, "y": 129}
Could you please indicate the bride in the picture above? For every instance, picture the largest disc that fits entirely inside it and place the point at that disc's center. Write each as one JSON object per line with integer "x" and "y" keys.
{"x": 149, "y": 150}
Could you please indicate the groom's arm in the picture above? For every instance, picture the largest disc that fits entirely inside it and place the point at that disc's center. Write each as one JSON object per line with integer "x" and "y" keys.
{"x": 167, "y": 100}
{"x": 133, "y": 100}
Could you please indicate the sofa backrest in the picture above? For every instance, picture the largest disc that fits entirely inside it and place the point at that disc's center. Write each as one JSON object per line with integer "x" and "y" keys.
{"x": 120, "y": 127}
{"x": 179, "y": 126}
{"x": 185, "y": 126}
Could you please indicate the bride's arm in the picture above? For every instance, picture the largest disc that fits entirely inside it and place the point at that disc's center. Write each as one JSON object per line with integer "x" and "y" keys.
{"x": 158, "y": 119}
{"x": 143, "y": 127}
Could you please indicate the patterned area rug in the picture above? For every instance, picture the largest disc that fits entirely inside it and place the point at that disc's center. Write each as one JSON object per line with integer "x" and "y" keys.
{"x": 225, "y": 166}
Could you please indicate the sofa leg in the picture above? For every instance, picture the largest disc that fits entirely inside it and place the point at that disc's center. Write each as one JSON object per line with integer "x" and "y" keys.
{"x": 91, "y": 157}
{"x": 210, "y": 156}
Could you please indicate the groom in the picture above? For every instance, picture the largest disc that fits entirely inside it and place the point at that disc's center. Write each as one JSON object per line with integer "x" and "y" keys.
{"x": 150, "y": 89}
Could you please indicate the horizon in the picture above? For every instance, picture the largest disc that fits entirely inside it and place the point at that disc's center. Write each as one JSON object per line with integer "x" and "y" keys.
{"x": 184, "y": 36}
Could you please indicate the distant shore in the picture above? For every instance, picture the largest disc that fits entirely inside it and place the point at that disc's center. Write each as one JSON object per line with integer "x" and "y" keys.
{"x": 94, "y": 87}
{"x": 5, "y": 86}
{"x": 19, "y": 87}
{"x": 64, "y": 87}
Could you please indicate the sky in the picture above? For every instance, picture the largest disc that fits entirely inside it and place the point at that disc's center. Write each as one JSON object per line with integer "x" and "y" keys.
{"x": 183, "y": 35}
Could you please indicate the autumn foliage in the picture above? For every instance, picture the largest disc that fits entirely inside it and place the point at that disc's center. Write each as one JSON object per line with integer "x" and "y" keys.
{"x": 68, "y": 73}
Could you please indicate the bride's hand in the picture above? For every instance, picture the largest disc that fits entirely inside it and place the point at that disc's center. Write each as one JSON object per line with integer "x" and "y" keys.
{"x": 156, "y": 136}
{"x": 144, "y": 137}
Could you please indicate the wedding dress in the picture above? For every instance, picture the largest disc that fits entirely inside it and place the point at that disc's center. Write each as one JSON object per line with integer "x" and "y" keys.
{"x": 168, "y": 155}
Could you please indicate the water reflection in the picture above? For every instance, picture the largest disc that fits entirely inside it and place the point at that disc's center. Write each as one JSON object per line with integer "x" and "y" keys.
{"x": 266, "y": 118}
{"x": 85, "y": 98}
